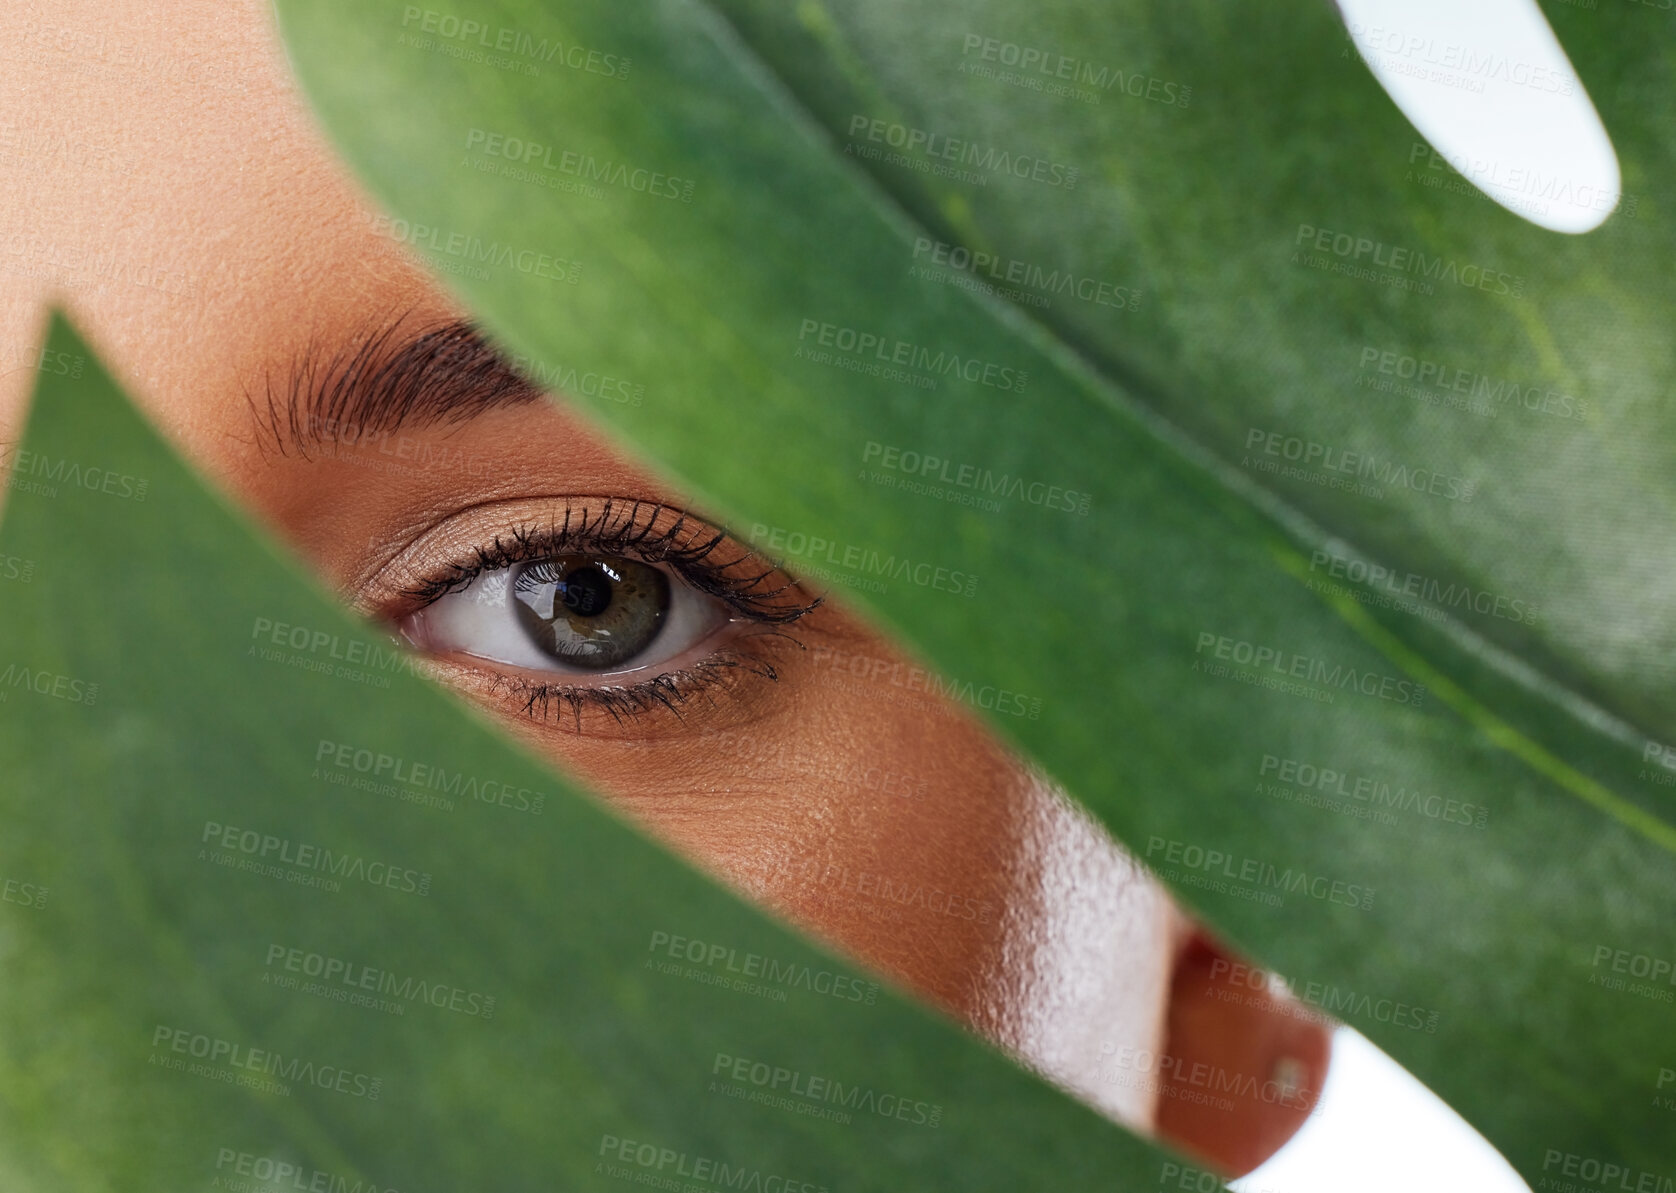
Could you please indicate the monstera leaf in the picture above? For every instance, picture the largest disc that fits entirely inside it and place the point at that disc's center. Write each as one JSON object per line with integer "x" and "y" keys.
{"x": 1135, "y": 360}
{"x": 278, "y": 914}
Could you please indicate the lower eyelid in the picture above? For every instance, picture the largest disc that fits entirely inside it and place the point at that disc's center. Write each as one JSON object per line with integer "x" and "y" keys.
{"x": 731, "y": 684}
{"x": 595, "y": 679}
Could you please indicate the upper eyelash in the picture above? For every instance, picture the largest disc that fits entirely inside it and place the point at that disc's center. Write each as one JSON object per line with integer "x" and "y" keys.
{"x": 744, "y": 583}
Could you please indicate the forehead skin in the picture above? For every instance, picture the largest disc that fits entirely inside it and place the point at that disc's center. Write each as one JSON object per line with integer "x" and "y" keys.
{"x": 160, "y": 177}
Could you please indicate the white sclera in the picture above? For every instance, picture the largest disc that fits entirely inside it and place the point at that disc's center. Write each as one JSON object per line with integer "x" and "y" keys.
{"x": 481, "y": 620}
{"x": 1487, "y": 83}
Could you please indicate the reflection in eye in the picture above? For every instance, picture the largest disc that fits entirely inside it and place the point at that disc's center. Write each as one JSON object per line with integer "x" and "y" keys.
{"x": 630, "y": 606}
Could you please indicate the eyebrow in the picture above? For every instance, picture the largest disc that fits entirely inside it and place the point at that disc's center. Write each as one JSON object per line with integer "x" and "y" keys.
{"x": 391, "y": 379}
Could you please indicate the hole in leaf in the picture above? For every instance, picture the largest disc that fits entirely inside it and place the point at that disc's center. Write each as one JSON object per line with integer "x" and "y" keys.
{"x": 1490, "y": 89}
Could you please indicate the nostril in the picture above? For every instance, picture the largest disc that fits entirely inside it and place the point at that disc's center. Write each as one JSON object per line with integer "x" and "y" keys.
{"x": 1489, "y": 87}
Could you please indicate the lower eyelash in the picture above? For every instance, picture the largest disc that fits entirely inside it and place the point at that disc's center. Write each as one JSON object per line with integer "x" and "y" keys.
{"x": 555, "y": 703}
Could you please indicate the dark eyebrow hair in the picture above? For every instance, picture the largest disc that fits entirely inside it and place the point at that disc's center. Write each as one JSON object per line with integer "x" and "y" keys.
{"x": 392, "y": 378}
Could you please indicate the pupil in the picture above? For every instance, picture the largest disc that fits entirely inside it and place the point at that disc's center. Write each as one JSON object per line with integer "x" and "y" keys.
{"x": 586, "y": 591}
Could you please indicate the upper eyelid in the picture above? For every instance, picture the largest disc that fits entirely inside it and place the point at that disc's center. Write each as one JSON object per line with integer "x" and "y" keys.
{"x": 687, "y": 543}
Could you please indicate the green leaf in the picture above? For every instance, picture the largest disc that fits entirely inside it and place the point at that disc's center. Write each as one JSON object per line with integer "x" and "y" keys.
{"x": 1499, "y": 845}
{"x": 480, "y": 996}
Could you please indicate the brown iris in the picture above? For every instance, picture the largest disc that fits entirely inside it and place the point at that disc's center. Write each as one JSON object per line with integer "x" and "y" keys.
{"x": 591, "y": 611}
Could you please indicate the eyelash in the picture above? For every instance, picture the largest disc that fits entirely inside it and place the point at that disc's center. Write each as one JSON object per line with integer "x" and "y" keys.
{"x": 631, "y": 530}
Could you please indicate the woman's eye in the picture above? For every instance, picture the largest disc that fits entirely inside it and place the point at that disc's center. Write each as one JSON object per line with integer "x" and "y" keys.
{"x": 577, "y": 615}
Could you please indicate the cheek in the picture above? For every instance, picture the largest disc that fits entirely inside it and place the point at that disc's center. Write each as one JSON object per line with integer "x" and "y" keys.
{"x": 897, "y": 829}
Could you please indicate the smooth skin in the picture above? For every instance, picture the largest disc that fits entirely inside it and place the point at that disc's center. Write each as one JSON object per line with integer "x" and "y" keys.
{"x": 161, "y": 178}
